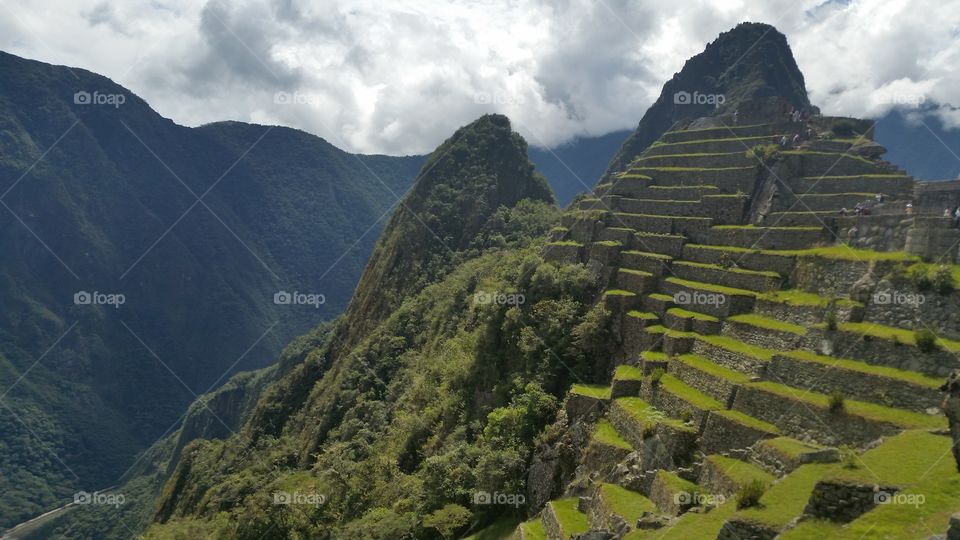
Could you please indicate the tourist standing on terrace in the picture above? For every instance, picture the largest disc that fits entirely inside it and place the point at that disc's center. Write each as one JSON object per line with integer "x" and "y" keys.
{"x": 951, "y": 406}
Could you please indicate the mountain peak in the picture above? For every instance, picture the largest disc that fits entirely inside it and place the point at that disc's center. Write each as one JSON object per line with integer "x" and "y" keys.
{"x": 750, "y": 62}
{"x": 481, "y": 168}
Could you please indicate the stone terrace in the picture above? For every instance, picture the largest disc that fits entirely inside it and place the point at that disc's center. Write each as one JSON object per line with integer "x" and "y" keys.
{"x": 745, "y": 360}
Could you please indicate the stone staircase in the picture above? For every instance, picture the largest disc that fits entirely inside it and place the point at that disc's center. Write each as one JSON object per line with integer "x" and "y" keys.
{"x": 732, "y": 373}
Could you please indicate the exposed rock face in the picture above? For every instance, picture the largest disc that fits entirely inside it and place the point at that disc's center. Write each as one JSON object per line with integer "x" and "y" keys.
{"x": 751, "y": 61}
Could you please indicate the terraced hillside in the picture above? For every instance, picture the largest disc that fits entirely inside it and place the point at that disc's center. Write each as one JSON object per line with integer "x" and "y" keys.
{"x": 762, "y": 387}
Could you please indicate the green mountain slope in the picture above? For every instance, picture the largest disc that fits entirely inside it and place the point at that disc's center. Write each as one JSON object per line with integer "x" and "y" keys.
{"x": 104, "y": 198}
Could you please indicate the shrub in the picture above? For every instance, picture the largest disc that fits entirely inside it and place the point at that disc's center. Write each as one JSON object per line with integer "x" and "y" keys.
{"x": 764, "y": 153}
{"x": 749, "y": 494}
{"x": 925, "y": 339}
{"x": 836, "y": 401}
{"x": 844, "y": 128}
{"x": 848, "y": 457}
{"x": 656, "y": 375}
{"x": 920, "y": 278}
{"x": 686, "y": 416}
{"x": 942, "y": 280}
{"x": 830, "y": 318}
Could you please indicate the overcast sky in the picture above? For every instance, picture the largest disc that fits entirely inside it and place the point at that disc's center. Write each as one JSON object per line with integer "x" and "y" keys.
{"x": 398, "y": 77}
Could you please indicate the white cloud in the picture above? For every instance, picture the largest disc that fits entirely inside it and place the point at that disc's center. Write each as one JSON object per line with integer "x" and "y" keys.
{"x": 399, "y": 77}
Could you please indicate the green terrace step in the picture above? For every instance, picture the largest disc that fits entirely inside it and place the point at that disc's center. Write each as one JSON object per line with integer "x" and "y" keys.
{"x": 724, "y": 475}
{"x": 673, "y": 494}
{"x": 624, "y": 184}
{"x": 587, "y": 399}
{"x": 606, "y": 448}
{"x": 894, "y": 347}
{"x": 658, "y": 303}
{"x": 636, "y": 281}
{"x": 655, "y": 263}
{"x": 738, "y": 278}
{"x": 636, "y": 420}
{"x": 532, "y": 530}
{"x": 764, "y": 332}
{"x": 632, "y": 240}
{"x": 799, "y": 217}
{"x": 627, "y": 381}
{"x": 911, "y": 463}
{"x": 712, "y": 379}
{"x": 709, "y": 298}
{"x": 812, "y": 202}
{"x": 634, "y": 321}
{"x": 814, "y": 162}
{"x": 706, "y": 159}
{"x": 685, "y": 320}
{"x": 729, "y": 430}
{"x": 732, "y": 131}
{"x": 652, "y": 360}
{"x": 562, "y": 518}
{"x": 671, "y": 207}
{"x": 750, "y": 259}
{"x": 800, "y": 412}
{"x": 726, "y": 179}
{"x": 611, "y": 504}
{"x": 752, "y": 237}
{"x": 785, "y": 454}
{"x": 620, "y": 301}
{"x": 719, "y": 145}
{"x": 899, "y": 335}
{"x": 895, "y": 186}
{"x": 732, "y": 353}
{"x": 860, "y": 380}
{"x": 645, "y": 190}
{"x": 661, "y": 224}
{"x": 677, "y": 399}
